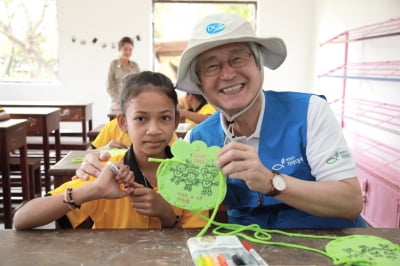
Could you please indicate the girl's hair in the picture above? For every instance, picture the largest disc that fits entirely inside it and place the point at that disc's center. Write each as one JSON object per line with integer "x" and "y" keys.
{"x": 135, "y": 83}
{"x": 123, "y": 41}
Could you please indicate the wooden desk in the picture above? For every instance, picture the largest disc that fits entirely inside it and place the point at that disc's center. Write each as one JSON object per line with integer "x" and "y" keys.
{"x": 41, "y": 122}
{"x": 70, "y": 112}
{"x": 94, "y": 132}
{"x": 182, "y": 129}
{"x": 12, "y": 137}
{"x": 147, "y": 247}
{"x": 64, "y": 169}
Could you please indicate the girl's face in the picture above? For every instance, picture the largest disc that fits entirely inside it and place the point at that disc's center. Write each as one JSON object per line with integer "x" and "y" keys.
{"x": 150, "y": 120}
{"x": 126, "y": 51}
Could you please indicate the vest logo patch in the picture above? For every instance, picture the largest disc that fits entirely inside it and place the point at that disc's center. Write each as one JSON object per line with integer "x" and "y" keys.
{"x": 338, "y": 156}
{"x": 287, "y": 162}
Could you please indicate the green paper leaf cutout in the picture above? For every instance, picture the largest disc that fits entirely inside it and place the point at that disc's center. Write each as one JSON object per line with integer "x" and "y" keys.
{"x": 364, "y": 250}
{"x": 190, "y": 180}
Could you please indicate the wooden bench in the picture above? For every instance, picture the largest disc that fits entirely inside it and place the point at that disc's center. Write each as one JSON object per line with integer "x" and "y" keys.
{"x": 35, "y": 178}
{"x": 66, "y": 143}
{"x": 34, "y": 172}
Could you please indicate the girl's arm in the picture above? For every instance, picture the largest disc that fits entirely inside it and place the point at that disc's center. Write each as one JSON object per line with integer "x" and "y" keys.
{"x": 41, "y": 211}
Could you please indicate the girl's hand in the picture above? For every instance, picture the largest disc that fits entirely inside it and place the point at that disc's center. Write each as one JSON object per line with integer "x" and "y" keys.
{"x": 108, "y": 186}
{"x": 148, "y": 202}
{"x": 125, "y": 175}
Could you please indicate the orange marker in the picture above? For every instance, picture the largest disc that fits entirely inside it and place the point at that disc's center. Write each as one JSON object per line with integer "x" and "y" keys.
{"x": 222, "y": 261}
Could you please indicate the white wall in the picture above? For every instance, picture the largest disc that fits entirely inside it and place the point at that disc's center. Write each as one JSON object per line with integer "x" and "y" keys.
{"x": 293, "y": 22}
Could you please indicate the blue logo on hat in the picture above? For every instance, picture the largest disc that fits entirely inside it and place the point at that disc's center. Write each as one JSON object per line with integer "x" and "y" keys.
{"x": 214, "y": 28}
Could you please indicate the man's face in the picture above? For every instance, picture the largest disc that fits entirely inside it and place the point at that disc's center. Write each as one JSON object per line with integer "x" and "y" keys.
{"x": 229, "y": 76}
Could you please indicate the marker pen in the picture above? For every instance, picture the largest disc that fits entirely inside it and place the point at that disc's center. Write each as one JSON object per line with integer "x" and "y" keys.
{"x": 207, "y": 260}
{"x": 221, "y": 259}
{"x": 113, "y": 167}
{"x": 238, "y": 260}
{"x": 200, "y": 261}
{"x": 254, "y": 253}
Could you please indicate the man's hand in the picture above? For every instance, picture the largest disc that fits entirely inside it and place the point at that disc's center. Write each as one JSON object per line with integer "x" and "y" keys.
{"x": 241, "y": 161}
{"x": 92, "y": 165}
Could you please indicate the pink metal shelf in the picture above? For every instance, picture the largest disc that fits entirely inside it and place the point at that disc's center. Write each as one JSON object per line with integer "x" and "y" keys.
{"x": 380, "y": 159}
{"x": 388, "y": 28}
{"x": 379, "y": 71}
{"x": 378, "y": 163}
{"x": 380, "y": 115}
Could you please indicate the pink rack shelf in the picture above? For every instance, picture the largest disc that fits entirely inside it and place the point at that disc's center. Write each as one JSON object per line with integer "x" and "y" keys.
{"x": 380, "y": 159}
{"x": 383, "y": 116}
{"x": 387, "y": 28}
{"x": 378, "y": 167}
{"x": 379, "y": 71}
{"x": 378, "y": 164}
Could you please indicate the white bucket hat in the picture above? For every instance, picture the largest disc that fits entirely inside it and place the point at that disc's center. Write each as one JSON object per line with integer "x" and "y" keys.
{"x": 218, "y": 29}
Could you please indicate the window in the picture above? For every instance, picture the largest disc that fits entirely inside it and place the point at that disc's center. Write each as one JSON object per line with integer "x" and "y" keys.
{"x": 173, "y": 23}
{"x": 28, "y": 41}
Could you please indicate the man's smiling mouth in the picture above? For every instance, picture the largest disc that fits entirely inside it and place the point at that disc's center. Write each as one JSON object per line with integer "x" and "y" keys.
{"x": 233, "y": 89}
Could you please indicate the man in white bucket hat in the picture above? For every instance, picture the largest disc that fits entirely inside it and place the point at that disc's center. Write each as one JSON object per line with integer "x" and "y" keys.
{"x": 284, "y": 154}
{"x": 287, "y": 163}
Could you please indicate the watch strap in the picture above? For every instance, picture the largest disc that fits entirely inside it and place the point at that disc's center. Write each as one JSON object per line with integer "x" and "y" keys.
{"x": 273, "y": 191}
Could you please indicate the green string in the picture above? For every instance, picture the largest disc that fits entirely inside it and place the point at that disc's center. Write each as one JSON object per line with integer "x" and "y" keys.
{"x": 263, "y": 236}
{"x": 216, "y": 207}
{"x": 259, "y": 235}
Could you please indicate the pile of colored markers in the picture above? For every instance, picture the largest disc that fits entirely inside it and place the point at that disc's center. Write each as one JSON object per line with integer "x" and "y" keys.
{"x": 223, "y": 251}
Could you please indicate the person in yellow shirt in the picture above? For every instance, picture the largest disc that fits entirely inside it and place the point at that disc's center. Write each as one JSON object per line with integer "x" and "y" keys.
{"x": 111, "y": 136}
{"x": 128, "y": 198}
{"x": 198, "y": 109}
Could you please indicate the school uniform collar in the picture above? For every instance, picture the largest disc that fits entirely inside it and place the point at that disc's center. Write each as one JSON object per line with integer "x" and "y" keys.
{"x": 130, "y": 160}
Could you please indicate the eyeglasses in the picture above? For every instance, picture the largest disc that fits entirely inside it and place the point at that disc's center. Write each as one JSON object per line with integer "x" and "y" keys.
{"x": 213, "y": 67}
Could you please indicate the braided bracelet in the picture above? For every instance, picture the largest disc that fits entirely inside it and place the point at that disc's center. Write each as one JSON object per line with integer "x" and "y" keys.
{"x": 71, "y": 203}
{"x": 178, "y": 218}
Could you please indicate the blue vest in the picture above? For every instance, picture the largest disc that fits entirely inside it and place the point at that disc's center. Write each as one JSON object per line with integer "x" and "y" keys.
{"x": 282, "y": 147}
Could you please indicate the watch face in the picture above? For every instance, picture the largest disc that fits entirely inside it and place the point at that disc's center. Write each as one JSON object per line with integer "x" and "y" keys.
{"x": 279, "y": 183}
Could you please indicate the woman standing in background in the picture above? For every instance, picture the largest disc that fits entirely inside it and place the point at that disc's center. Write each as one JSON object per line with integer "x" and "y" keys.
{"x": 118, "y": 68}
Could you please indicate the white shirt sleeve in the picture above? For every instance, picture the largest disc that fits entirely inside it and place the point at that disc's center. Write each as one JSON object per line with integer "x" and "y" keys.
{"x": 327, "y": 151}
{"x": 187, "y": 135}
